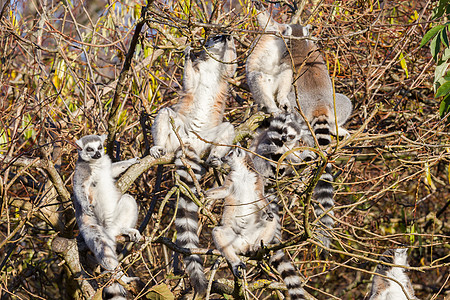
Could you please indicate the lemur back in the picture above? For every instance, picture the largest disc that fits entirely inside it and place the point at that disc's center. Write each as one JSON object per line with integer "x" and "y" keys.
{"x": 200, "y": 110}
{"x": 385, "y": 289}
{"x": 249, "y": 220}
{"x": 102, "y": 211}
{"x": 270, "y": 73}
{"x": 315, "y": 95}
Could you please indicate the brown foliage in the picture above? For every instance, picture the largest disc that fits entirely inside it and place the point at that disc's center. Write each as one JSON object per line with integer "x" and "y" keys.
{"x": 60, "y": 79}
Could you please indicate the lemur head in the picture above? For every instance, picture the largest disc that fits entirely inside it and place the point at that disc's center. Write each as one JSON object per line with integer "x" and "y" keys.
{"x": 393, "y": 256}
{"x": 236, "y": 156}
{"x": 91, "y": 147}
{"x": 217, "y": 45}
{"x": 401, "y": 256}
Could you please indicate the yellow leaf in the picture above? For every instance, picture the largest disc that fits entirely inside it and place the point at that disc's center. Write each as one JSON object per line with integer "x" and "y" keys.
{"x": 403, "y": 64}
{"x": 428, "y": 177}
{"x": 160, "y": 292}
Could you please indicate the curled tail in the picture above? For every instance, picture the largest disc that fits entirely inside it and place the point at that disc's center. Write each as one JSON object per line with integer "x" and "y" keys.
{"x": 187, "y": 219}
{"x": 323, "y": 192}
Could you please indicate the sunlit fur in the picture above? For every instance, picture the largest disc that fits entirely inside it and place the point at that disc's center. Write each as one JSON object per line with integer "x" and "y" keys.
{"x": 249, "y": 219}
{"x": 200, "y": 110}
{"x": 386, "y": 289}
{"x": 102, "y": 211}
{"x": 202, "y": 105}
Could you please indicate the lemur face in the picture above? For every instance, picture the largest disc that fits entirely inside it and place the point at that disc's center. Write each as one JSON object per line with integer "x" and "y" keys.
{"x": 217, "y": 45}
{"x": 234, "y": 156}
{"x": 91, "y": 147}
{"x": 401, "y": 256}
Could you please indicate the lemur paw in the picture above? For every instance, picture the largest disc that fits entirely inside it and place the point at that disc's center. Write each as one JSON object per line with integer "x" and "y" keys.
{"x": 258, "y": 5}
{"x": 134, "y": 234}
{"x": 284, "y": 104}
{"x": 214, "y": 161}
{"x": 239, "y": 269}
{"x": 128, "y": 279}
{"x": 268, "y": 215}
{"x": 135, "y": 160}
{"x": 157, "y": 151}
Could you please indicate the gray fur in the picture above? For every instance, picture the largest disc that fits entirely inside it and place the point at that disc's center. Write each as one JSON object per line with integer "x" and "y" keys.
{"x": 200, "y": 111}
{"x": 101, "y": 211}
{"x": 385, "y": 289}
{"x": 249, "y": 219}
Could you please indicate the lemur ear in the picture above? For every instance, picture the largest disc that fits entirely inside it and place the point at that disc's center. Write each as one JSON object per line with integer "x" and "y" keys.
{"x": 306, "y": 30}
{"x": 103, "y": 137}
{"x": 287, "y": 30}
{"x": 79, "y": 144}
{"x": 239, "y": 151}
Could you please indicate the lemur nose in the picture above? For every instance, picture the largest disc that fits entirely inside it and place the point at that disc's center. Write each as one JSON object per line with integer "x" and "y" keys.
{"x": 96, "y": 155}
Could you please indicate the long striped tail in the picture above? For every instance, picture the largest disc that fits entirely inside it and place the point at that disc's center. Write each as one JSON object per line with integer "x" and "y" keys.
{"x": 323, "y": 192}
{"x": 281, "y": 262}
{"x": 187, "y": 219}
{"x": 289, "y": 275}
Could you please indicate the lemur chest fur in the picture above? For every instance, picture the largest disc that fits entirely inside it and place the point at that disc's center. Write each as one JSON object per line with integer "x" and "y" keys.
{"x": 208, "y": 97}
{"x": 101, "y": 190}
{"x": 243, "y": 200}
{"x": 395, "y": 291}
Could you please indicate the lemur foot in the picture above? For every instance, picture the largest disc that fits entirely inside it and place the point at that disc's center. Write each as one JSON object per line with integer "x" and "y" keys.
{"x": 134, "y": 234}
{"x": 157, "y": 151}
{"x": 214, "y": 161}
{"x": 135, "y": 160}
{"x": 268, "y": 215}
{"x": 239, "y": 269}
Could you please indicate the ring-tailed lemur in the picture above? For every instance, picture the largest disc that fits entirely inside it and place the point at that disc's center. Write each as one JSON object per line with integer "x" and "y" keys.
{"x": 102, "y": 211}
{"x": 268, "y": 76}
{"x": 313, "y": 87}
{"x": 385, "y": 289}
{"x": 315, "y": 94}
{"x": 249, "y": 220}
{"x": 200, "y": 111}
{"x": 201, "y": 108}
{"x": 270, "y": 72}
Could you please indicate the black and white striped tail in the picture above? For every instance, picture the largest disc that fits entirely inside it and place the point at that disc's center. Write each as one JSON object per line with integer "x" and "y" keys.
{"x": 281, "y": 262}
{"x": 323, "y": 192}
{"x": 187, "y": 219}
{"x": 290, "y": 277}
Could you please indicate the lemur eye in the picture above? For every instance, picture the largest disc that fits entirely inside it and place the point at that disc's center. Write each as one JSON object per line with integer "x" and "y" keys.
{"x": 89, "y": 149}
{"x": 291, "y": 136}
{"x": 100, "y": 147}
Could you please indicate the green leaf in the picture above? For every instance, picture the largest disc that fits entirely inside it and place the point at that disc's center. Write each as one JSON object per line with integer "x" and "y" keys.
{"x": 444, "y": 108}
{"x": 439, "y": 73}
{"x": 444, "y": 36}
{"x": 439, "y": 10}
{"x": 443, "y": 90}
{"x": 160, "y": 292}
{"x": 430, "y": 34}
{"x": 435, "y": 46}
